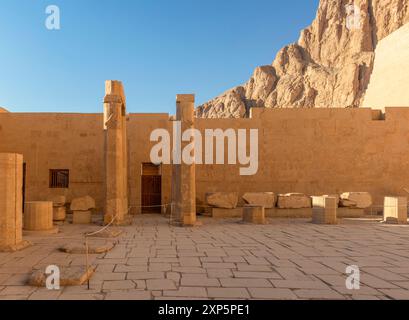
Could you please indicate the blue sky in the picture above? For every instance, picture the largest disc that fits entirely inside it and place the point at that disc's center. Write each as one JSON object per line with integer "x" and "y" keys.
{"x": 158, "y": 48}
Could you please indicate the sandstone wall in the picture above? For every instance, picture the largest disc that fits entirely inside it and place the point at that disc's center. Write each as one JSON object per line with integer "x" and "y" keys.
{"x": 389, "y": 81}
{"x": 313, "y": 151}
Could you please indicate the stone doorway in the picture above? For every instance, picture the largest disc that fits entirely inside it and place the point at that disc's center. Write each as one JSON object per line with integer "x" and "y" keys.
{"x": 151, "y": 188}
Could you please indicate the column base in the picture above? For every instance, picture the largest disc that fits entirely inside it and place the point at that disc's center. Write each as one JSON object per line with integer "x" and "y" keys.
{"x": 54, "y": 230}
{"x": 18, "y": 247}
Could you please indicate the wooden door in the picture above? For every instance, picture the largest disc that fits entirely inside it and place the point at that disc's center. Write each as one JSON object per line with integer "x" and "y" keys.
{"x": 151, "y": 189}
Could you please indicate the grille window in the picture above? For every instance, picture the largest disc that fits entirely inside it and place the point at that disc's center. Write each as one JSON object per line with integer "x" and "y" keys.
{"x": 59, "y": 178}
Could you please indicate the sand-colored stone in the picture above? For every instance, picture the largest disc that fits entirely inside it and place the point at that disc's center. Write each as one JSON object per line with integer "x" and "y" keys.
{"x": 223, "y": 200}
{"x": 289, "y": 213}
{"x": 93, "y": 248}
{"x": 264, "y": 199}
{"x": 254, "y": 214}
{"x": 107, "y": 234}
{"x": 58, "y": 201}
{"x": 329, "y": 66}
{"x": 81, "y": 217}
{"x": 324, "y": 210}
{"x": 396, "y": 210}
{"x": 388, "y": 84}
{"x": 38, "y": 216}
{"x": 82, "y": 204}
{"x": 59, "y": 213}
{"x": 11, "y": 203}
{"x": 293, "y": 201}
{"x": 344, "y": 212}
{"x": 116, "y": 158}
{"x": 183, "y": 174}
{"x": 69, "y": 276}
{"x": 220, "y": 213}
{"x": 361, "y": 200}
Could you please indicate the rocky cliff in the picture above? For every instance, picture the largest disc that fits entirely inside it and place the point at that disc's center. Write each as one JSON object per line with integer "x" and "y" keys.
{"x": 329, "y": 67}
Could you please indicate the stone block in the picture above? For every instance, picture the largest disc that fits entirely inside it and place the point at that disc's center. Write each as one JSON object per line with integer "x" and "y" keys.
{"x": 83, "y": 204}
{"x": 324, "y": 210}
{"x": 264, "y": 199}
{"x": 59, "y": 213}
{"x": 294, "y": 201}
{"x": 254, "y": 214}
{"x": 93, "y": 248}
{"x": 361, "y": 200}
{"x": 69, "y": 276}
{"x": 11, "y": 203}
{"x": 58, "y": 201}
{"x": 350, "y": 213}
{"x": 38, "y": 216}
{"x": 396, "y": 210}
{"x": 223, "y": 200}
{"x": 219, "y": 213}
{"x": 288, "y": 213}
{"x": 81, "y": 217}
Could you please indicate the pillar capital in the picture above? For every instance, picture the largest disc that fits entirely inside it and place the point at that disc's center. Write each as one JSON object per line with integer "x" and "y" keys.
{"x": 190, "y": 98}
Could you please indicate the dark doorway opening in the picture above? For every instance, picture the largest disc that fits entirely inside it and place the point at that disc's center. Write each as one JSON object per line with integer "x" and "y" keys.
{"x": 151, "y": 188}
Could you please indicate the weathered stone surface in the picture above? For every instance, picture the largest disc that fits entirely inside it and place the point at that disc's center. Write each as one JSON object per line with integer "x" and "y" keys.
{"x": 361, "y": 200}
{"x": 108, "y": 233}
{"x": 38, "y": 216}
{"x": 395, "y": 210}
{"x": 81, "y": 217}
{"x": 220, "y": 213}
{"x": 224, "y": 200}
{"x": 69, "y": 276}
{"x": 59, "y": 213}
{"x": 263, "y": 199}
{"x": 80, "y": 248}
{"x": 324, "y": 210}
{"x": 329, "y": 66}
{"x": 83, "y": 204}
{"x": 254, "y": 214}
{"x": 294, "y": 201}
{"x": 11, "y": 184}
{"x": 58, "y": 201}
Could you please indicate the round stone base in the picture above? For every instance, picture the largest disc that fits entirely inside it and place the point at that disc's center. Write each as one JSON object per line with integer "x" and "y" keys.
{"x": 54, "y": 230}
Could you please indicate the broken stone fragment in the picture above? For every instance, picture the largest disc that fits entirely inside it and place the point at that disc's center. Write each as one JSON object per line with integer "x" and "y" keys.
{"x": 69, "y": 276}
{"x": 224, "y": 200}
{"x": 83, "y": 204}
{"x": 294, "y": 201}
{"x": 80, "y": 248}
{"x": 360, "y": 200}
{"x": 262, "y": 199}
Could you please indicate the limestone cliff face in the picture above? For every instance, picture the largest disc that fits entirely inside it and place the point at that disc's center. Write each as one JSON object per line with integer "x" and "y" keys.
{"x": 329, "y": 67}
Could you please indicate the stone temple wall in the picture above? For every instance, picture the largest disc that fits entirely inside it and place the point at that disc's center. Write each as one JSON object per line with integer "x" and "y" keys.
{"x": 313, "y": 151}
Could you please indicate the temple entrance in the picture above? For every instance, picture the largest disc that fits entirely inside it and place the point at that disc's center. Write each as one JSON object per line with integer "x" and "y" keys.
{"x": 151, "y": 188}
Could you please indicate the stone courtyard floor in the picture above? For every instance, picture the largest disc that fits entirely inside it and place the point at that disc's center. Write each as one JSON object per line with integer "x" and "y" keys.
{"x": 224, "y": 259}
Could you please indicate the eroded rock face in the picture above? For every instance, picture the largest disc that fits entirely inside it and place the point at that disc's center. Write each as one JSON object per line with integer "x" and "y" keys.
{"x": 329, "y": 67}
{"x": 361, "y": 200}
{"x": 83, "y": 204}
{"x": 223, "y": 200}
{"x": 294, "y": 201}
{"x": 262, "y": 199}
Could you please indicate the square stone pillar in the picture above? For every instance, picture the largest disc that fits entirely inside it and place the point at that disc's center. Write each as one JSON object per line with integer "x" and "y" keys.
{"x": 183, "y": 175}
{"x": 324, "y": 210}
{"x": 11, "y": 202}
{"x": 116, "y": 164}
{"x": 396, "y": 210}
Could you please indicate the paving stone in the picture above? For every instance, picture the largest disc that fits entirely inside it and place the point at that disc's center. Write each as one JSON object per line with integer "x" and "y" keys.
{"x": 245, "y": 283}
{"x": 192, "y": 292}
{"x": 145, "y": 275}
{"x": 118, "y": 285}
{"x": 272, "y": 293}
{"x": 160, "y": 284}
{"x": 199, "y": 281}
{"x": 128, "y": 295}
{"x": 229, "y": 293}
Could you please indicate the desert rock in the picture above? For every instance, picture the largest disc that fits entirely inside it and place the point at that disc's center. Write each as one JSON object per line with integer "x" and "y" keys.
{"x": 224, "y": 200}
